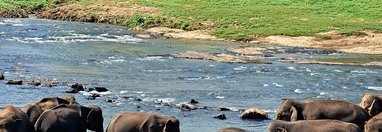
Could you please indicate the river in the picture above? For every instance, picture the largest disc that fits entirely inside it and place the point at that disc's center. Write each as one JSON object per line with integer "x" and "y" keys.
{"x": 109, "y": 56}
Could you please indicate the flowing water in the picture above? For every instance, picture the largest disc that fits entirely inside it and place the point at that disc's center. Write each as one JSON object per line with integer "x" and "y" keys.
{"x": 108, "y": 56}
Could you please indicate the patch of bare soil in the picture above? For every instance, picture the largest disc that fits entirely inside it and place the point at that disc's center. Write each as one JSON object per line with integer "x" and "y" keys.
{"x": 178, "y": 34}
{"x": 221, "y": 57}
{"x": 371, "y": 43}
{"x": 100, "y": 12}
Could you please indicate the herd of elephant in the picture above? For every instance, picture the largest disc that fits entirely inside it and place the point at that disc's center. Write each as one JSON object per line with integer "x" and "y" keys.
{"x": 55, "y": 114}
{"x": 329, "y": 115}
{"x": 65, "y": 114}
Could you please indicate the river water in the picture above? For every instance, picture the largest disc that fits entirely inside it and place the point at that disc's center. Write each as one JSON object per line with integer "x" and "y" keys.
{"x": 108, "y": 56}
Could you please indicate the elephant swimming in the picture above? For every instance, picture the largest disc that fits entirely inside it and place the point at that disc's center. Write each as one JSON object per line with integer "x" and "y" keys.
{"x": 291, "y": 110}
{"x": 70, "y": 118}
{"x": 372, "y": 103}
{"x": 13, "y": 119}
{"x": 374, "y": 124}
{"x": 142, "y": 122}
{"x": 35, "y": 109}
{"x": 312, "y": 126}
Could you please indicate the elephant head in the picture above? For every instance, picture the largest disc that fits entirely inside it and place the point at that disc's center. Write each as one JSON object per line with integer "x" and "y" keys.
{"x": 370, "y": 103}
{"x": 172, "y": 125}
{"x": 14, "y": 120}
{"x": 287, "y": 111}
{"x": 35, "y": 109}
{"x": 94, "y": 118}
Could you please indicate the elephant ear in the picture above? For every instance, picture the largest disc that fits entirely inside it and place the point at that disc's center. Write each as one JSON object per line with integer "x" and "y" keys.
{"x": 95, "y": 119}
{"x": 294, "y": 113}
{"x": 373, "y": 109}
{"x": 46, "y": 118}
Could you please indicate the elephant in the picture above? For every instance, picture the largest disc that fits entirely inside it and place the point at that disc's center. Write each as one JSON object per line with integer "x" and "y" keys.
{"x": 142, "y": 122}
{"x": 70, "y": 118}
{"x": 312, "y": 126}
{"x": 372, "y": 103}
{"x": 35, "y": 109}
{"x": 231, "y": 129}
{"x": 374, "y": 124}
{"x": 12, "y": 119}
{"x": 292, "y": 110}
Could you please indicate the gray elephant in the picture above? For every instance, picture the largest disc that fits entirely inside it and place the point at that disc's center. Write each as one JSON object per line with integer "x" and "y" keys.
{"x": 14, "y": 120}
{"x": 143, "y": 122}
{"x": 372, "y": 103}
{"x": 70, "y": 118}
{"x": 231, "y": 129}
{"x": 35, "y": 109}
{"x": 291, "y": 110}
{"x": 374, "y": 124}
{"x": 312, "y": 126}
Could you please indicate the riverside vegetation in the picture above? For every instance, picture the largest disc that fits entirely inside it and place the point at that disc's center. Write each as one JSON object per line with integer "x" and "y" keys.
{"x": 244, "y": 19}
{"x": 346, "y": 26}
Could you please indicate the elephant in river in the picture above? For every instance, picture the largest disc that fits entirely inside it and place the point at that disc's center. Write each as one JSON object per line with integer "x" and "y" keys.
{"x": 142, "y": 122}
{"x": 372, "y": 103}
{"x": 70, "y": 118}
{"x": 14, "y": 120}
{"x": 374, "y": 124}
{"x": 312, "y": 126}
{"x": 231, "y": 129}
{"x": 292, "y": 110}
{"x": 35, "y": 109}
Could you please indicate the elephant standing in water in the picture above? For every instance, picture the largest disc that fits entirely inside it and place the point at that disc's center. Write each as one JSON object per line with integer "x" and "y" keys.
{"x": 35, "y": 109}
{"x": 374, "y": 124}
{"x": 142, "y": 122}
{"x": 312, "y": 126}
{"x": 291, "y": 110}
{"x": 70, "y": 118}
{"x": 14, "y": 120}
{"x": 371, "y": 103}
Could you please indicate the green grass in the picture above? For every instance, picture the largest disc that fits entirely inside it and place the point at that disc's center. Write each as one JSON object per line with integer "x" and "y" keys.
{"x": 22, "y": 4}
{"x": 245, "y": 19}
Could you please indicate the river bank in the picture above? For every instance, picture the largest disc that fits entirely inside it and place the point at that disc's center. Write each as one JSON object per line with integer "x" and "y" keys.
{"x": 145, "y": 21}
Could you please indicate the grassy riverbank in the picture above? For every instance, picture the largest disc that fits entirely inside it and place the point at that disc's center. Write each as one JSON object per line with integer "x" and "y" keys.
{"x": 242, "y": 19}
{"x": 245, "y": 19}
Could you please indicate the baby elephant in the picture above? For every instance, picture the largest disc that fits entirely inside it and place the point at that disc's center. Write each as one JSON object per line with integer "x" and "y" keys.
{"x": 142, "y": 122}
{"x": 374, "y": 124}
{"x": 312, "y": 126}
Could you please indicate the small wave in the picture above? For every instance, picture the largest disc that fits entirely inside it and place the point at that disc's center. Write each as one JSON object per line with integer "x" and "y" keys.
{"x": 277, "y": 85}
{"x": 123, "y": 91}
{"x": 298, "y": 91}
{"x": 291, "y": 68}
{"x": 241, "y": 68}
{"x": 220, "y": 97}
{"x": 156, "y": 71}
{"x": 374, "y": 87}
{"x": 152, "y": 58}
{"x": 166, "y": 100}
{"x": 265, "y": 85}
{"x": 322, "y": 93}
{"x": 338, "y": 71}
{"x": 73, "y": 38}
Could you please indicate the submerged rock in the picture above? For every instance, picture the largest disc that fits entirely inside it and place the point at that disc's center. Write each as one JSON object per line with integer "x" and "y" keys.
{"x": 221, "y": 57}
{"x": 2, "y": 76}
{"x": 254, "y": 114}
{"x": 99, "y": 89}
{"x": 220, "y": 116}
{"x": 14, "y": 82}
